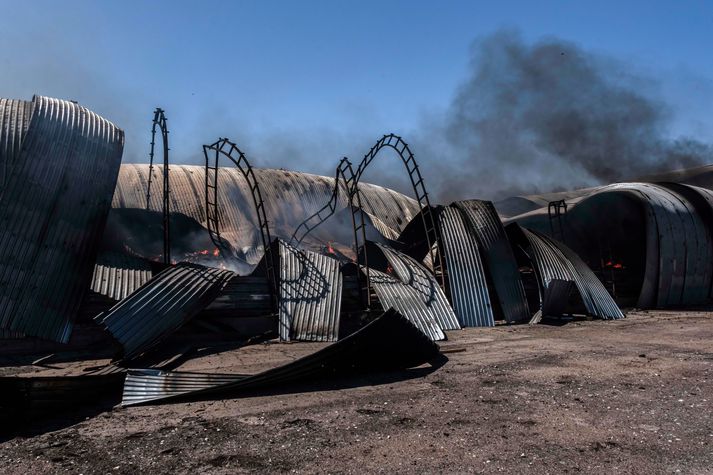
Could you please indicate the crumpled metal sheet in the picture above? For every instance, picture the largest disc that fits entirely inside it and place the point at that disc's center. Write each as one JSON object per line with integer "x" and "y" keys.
{"x": 53, "y": 210}
{"x": 310, "y": 295}
{"x": 412, "y": 274}
{"x": 556, "y": 262}
{"x": 162, "y": 305}
{"x": 389, "y": 342}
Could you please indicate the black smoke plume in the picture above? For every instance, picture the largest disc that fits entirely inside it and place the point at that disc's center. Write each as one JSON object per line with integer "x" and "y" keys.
{"x": 549, "y": 116}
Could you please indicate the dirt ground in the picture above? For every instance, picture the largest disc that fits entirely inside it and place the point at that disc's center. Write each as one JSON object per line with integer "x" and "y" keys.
{"x": 629, "y": 396}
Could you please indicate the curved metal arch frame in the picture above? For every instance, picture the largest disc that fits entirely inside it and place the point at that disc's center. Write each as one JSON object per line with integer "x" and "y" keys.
{"x": 419, "y": 187}
{"x": 228, "y": 149}
{"x": 159, "y": 120}
{"x": 345, "y": 172}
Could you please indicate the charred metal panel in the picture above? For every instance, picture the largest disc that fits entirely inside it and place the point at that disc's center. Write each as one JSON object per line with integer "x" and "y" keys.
{"x": 118, "y": 275}
{"x": 499, "y": 260}
{"x": 678, "y": 247}
{"x": 702, "y": 201}
{"x": 416, "y": 276}
{"x": 466, "y": 275}
{"x": 52, "y": 214}
{"x": 372, "y": 347}
{"x": 310, "y": 295}
{"x": 393, "y": 293}
{"x": 162, "y": 305}
{"x": 555, "y": 261}
{"x": 289, "y": 198}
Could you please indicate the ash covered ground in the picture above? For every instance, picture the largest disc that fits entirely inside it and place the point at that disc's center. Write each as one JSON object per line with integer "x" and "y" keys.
{"x": 628, "y": 396}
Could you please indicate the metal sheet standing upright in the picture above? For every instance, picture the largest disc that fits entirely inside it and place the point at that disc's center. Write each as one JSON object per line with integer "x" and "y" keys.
{"x": 310, "y": 295}
{"x": 52, "y": 213}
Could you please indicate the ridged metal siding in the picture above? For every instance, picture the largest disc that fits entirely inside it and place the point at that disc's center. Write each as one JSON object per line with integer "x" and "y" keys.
{"x": 500, "y": 261}
{"x": 393, "y": 293}
{"x": 52, "y": 214}
{"x": 414, "y": 275}
{"x": 466, "y": 275}
{"x": 162, "y": 305}
{"x": 389, "y": 342}
{"x": 310, "y": 295}
{"x": 554, "y": 260}
{"x": 289, "y": 197}
{"x": 678, "y": 247}
{"x": 702, "y": 201}
{"x": 117, "y": 275}
{"x": 15, "y": 118}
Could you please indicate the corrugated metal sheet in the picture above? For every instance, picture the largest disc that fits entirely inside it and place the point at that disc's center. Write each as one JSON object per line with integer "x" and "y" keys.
{"x": 290, "y": 198}
{"x": 417, "y": 277}
{"x": 310, "y": 295}
{"x": 118, "y": 275}
{"x": 393, "y": 293}
{"x": 678, "y": 246}
{"x": 162, "y": 305}
{"x": 467, "y": 282}
{"x": 52, "y": 214}
{"x": 702, "y": 201}
{"x": 371, "y": 347}
{"x": 499, "y": 259}
{"x": 553, "y": 260}
{"x": 15, "y": 118}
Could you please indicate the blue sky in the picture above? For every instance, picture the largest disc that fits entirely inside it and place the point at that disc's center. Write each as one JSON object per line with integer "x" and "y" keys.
{"x": 327, "y": 77}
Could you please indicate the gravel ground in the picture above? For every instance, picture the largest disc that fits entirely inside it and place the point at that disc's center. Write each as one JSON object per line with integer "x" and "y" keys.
{"x": 630, "y": 396}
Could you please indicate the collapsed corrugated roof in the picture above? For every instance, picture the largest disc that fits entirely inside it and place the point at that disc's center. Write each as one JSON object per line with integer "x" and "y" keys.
{"x": 657, "y": 235}
{"x": 555, "y": 262}
{"x": 371, "y": 347}
{"x": 162, "y": 305}
{"x": 310, "y": 295}
{"x": 404, "y": 284}
{"x": 53, "y": 208}
{"x": 289, "y": 198}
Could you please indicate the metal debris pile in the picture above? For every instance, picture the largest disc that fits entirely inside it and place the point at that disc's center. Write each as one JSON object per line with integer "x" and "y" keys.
{"x": 98, "y": 260}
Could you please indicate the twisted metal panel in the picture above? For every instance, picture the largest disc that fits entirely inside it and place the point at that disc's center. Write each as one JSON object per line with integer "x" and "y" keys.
{"x": 310, "y": 295}
{"x": 556, "y": 262}
{"x": 370, "y": 348}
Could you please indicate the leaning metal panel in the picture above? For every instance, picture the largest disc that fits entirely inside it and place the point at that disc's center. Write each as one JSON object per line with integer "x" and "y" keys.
{"x": 53, "y": 211}
{"x": 467, "y": 282}
{"x": 500, "y": 263}
{"x": 556, "y": 262}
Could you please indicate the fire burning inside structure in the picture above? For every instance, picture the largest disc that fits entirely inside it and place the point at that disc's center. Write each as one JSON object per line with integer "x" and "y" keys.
{"x": 310, "y": 258}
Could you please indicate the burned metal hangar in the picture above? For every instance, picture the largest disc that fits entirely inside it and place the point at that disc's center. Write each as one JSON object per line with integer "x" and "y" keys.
{"x": 141, "y": 252}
